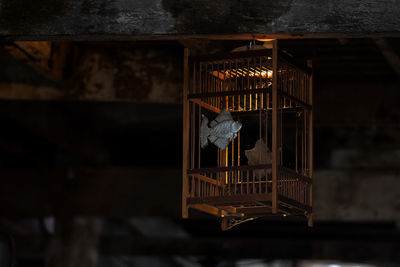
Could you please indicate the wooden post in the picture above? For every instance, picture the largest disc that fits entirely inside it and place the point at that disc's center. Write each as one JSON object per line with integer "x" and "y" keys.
{"x": 185, "y": 154}
{"x": 310, "y": 142}
{"x": 275, "y": 126}
{"x": 225, "y": 152}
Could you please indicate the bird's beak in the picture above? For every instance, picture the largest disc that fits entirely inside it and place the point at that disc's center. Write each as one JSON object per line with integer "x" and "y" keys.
{"x": 239, "y": 126}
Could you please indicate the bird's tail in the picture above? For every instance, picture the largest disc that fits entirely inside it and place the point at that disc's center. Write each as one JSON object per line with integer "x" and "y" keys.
{"x": 204, "y": 132}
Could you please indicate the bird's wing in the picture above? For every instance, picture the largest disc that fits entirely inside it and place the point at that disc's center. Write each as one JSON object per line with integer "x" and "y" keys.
{"x": 213, "y": 123}
{"x": 212, "y": 138}
{"x": 222, "y": 143}
{"x": 223, "y": 116}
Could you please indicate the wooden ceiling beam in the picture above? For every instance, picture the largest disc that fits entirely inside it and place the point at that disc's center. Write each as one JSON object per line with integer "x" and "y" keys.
{"x": 206, "y": 19}
{"x": 179, "y": 37}
{"x": 44, "y": 57}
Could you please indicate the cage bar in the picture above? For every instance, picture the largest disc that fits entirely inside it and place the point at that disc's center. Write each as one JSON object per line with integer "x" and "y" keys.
{"x": 271, "y": 96}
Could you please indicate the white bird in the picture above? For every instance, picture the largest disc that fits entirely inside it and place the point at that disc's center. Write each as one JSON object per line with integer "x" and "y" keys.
{"x": 221, "y": 130}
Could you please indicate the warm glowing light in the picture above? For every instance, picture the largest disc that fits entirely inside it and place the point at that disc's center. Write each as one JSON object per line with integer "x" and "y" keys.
{"x": 268, "y": 73}
{"x": 242, "y": 72}
{"x": 265, "y": 40}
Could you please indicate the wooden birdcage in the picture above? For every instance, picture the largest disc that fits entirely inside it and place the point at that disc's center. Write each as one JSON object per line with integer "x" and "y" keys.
{"x": 268, "y": 168}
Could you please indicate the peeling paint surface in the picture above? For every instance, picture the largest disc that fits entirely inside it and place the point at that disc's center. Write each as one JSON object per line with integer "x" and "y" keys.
{"x": 129, "y": 74}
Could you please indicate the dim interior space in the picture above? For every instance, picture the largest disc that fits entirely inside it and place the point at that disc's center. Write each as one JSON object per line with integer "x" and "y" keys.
{"x": 93, "y": 172}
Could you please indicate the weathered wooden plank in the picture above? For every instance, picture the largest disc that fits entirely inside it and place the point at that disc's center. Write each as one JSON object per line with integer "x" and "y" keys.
{"x": 209, "y": 209}
{"x": 122, "y": 20}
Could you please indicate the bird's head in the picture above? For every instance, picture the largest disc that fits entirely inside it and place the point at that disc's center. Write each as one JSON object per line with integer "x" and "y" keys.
{"x": 236, "y": 126}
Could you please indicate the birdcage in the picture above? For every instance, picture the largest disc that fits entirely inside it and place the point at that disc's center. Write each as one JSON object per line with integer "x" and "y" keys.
{"x": 266, "y": 169}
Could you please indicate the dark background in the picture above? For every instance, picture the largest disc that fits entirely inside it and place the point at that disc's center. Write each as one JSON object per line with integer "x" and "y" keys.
{"x": 90, "y": 158}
